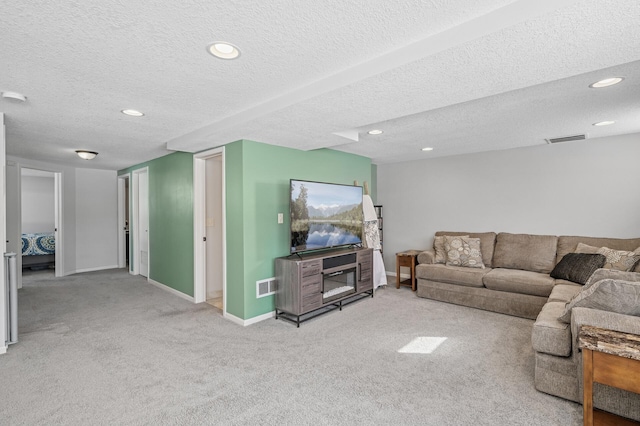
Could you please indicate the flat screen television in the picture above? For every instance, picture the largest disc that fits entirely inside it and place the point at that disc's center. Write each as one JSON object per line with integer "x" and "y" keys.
{"x": 324, "y": 215}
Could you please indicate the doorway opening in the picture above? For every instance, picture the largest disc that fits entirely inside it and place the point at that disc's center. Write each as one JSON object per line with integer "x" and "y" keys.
{"x": 40, "y": 223}
{"x": 124, "y": 219}
{"x": 209, "y": 229}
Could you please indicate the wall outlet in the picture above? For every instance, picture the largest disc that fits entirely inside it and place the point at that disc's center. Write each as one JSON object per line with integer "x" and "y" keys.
{"x": 280, "y": 218}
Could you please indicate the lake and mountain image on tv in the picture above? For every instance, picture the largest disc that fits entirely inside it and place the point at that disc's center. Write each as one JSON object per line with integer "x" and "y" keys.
{"x": 324, "y": 215}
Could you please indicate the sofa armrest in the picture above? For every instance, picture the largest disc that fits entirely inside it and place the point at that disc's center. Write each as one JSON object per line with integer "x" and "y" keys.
{"x": 427, "y": 256}
{"x": 603, "y": 319}
{"x": 603, "y": 274}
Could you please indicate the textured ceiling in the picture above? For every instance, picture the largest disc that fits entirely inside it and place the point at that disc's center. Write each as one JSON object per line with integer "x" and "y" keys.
{"x": 457, "y": 75}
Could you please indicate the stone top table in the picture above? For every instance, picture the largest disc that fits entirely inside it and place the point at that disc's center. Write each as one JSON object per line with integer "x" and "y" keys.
{"x": 611, "y": 358}
{"x": 611, "y": 342}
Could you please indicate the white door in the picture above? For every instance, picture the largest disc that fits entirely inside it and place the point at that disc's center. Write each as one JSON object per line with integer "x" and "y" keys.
{"x": 143, "y": 223}
{"x": 213, "y": 230}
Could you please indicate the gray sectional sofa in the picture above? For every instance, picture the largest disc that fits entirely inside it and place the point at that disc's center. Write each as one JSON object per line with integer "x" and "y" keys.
{"x": 516, "y": 280}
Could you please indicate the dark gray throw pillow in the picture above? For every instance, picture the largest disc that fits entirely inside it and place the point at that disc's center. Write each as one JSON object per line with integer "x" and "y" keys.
{"x": 578, "y": 267}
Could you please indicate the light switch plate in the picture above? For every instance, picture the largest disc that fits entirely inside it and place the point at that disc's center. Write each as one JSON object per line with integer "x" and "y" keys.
{"x": 280, "y": 218}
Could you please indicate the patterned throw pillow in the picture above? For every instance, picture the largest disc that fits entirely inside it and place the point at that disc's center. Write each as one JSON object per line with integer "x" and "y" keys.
{"x": 620, "y": 260}
{"x": 463, "y": 251}
{"x": 438, "y": 246}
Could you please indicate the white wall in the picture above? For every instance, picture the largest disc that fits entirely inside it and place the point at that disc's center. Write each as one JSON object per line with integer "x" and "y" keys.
{"x": 89, "y": 215}
{"x": 573, "y": 188}
{"x": 3, "y": 313}
{"x": 96, "y": 219}
{"x": 38, "y": 214}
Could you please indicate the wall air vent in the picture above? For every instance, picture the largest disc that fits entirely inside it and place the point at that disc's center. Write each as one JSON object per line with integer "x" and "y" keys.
{"x": 567, "y": 139}
{"x": 265, "y": 287}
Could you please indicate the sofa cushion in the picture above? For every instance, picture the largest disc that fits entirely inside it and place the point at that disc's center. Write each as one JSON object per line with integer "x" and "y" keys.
{"x": 564, "y": 292}
{"x": 550, "y": 335}
{"x": 603, "y": 274}
{"x": 535, "y": 253}
{"x": 463, "y": 251}
{"x": 471, "y": 277}
{"x": 517, "y": 281}
{"x": 621, "y": 260}
{"x": 487, "y": 243}
{"x": 612, "y": 295}
{"x": 568, "y": 244}
{"x": 578, "y": 267}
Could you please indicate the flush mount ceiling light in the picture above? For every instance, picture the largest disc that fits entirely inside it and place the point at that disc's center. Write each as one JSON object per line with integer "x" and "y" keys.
{"x": 223, "y": 50}
{"x": 427, "y": 149}
{"x": 603, "y": 123}
{"x": 375, "y": 132}
{"x": 132, "y": 112}
{"x": 86, "y": 155}
{"x": 606, "y": 82}
{"x": 15, "y": 96}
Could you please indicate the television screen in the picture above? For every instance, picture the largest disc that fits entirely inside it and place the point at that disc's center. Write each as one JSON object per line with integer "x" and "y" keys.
{"x": 324, "y": 215}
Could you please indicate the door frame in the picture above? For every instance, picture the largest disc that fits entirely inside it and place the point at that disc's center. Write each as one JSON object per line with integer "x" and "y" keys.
{"x": 135, "y": 188}
{"x": 122, "y": 249}
{"x": 199, "y": 229}
{"x": 58, "y": 220}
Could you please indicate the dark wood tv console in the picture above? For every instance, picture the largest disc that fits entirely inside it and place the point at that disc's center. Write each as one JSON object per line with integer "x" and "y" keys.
{"x": 316, "y": 283}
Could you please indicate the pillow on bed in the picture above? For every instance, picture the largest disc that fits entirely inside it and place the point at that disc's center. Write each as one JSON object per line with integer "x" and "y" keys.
{"x": 578, "y": 267}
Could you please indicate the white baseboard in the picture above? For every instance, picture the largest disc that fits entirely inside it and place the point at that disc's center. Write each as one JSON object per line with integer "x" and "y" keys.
{"x": 171, "y": 290}
{"x": 3, "y": 350}
{"x": 249, "y": 321}
{"x": 100, "y": 268}
{"x": 393, "y": 274}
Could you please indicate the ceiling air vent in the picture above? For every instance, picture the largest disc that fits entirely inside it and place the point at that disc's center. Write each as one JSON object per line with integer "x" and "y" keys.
{"x": 567, "y": 139}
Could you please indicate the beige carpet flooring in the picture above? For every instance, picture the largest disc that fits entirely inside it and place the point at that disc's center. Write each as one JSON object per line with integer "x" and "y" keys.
{"x": 107, "y": 348}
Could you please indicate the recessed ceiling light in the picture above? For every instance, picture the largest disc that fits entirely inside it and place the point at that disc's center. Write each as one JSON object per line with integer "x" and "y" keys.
{"x": 86, "y": 155}
{"x": 223, "y": 50}
{"x": 606, "y": 82}
{"x": 427, "y": 149}
{"x": 132, "y": 112}
{"x": 603, "y": 123}
{"x": 375, "y": 132}
{"x": 15, "y": 96}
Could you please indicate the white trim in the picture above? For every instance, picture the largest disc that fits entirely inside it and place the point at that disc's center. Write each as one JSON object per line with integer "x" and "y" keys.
{"x": 58, "y": 178}
{"x": 170, "y": 290}
{"x": 199, "y": 252}
{"x": 98, "y": 268}
{"x": 249, "y": 321}
{"x": 136, "y": 221}
{"x": 402, "y": 275}
{"x": 3, "y": 350}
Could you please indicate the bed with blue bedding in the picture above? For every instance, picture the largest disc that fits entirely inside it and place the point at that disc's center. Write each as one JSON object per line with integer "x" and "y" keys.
{"x": 38, "y": 250}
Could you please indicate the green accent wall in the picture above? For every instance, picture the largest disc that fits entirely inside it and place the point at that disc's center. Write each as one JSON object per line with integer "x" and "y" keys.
{"x": 170, "y": 220}
{"x": 257, "y": 189}
{"x": 266, "y": 170}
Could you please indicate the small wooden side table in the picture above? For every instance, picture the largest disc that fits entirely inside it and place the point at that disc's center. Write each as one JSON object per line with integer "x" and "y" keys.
{"x": 611, "y": 358}
{"x": 408, "y": 259}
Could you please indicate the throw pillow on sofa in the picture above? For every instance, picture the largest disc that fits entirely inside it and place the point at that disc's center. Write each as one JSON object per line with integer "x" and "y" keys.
{"x": 621, "y": 260}
{"x": 463, "y": 251}
{"x": 607, "y": 295}
{"x": 578, "y": 267}
{"x": 440, "y": 251}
